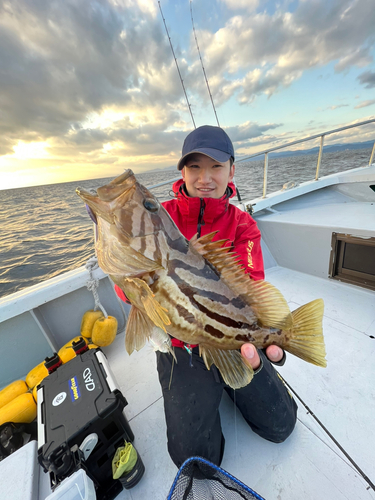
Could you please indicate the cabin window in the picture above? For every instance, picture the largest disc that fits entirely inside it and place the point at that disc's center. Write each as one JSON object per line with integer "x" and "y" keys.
{"x": 353, "y": 260}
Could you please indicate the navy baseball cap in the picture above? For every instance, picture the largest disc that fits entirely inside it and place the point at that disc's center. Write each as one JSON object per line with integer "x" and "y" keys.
{"x": 210, "y": 141}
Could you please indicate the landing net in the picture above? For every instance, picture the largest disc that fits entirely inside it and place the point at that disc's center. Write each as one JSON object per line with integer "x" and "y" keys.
{"x": 199, "y": 479}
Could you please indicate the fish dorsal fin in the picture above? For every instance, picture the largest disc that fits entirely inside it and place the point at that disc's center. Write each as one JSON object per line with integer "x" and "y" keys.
{"x": 214, "y": 251}
{"x": 141, "y": 296}
{"x": 138, "y": 330}
{"x": 232, "y": 366}
{"x": 267, "y": 301}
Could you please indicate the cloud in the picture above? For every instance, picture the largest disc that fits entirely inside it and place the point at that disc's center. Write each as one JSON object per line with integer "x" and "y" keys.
{"x": 361, "y": 57}
{"x": 364, "y": 104}
{"x": 249, "y": 130}
{"x": 249, "y": 5}
{"x": 271, "y": 51}
{"x": 61, "y": 61}
{"x": 367, "y": 79}
{"x": 95, "y": 81}
{"x": 332, "y": 108}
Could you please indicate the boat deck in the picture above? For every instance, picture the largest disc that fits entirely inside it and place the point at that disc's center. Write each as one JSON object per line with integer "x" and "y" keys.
{"x": 308, "y": 465}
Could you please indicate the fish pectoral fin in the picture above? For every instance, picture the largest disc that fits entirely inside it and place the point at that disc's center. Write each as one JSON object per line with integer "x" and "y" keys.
{"x": 156, "y": 312}
{"x": 138, "y": 330}
{"x": 142, "y": 297}
{"x": 305, "y": 339}
{"x": 232, "y": 366}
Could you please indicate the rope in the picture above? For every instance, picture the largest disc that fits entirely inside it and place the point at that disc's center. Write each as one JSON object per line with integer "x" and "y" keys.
{"x": 93, "y": 284}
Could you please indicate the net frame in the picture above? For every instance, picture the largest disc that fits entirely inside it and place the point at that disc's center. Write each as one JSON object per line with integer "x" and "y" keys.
{"x": 200, "y": 479}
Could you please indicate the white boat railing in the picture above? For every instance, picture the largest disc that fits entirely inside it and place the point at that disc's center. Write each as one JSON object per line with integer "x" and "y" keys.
{"x": 299, "y": 141}
{"x": 310, "y": 138}
{"x": 175, "y": 179}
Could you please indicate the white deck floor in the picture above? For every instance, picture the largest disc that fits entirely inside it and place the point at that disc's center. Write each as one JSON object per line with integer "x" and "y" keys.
{"x": 308, "y": 465}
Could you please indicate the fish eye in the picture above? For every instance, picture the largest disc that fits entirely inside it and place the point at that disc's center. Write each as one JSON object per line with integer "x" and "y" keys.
{"x": 151, "y": 205}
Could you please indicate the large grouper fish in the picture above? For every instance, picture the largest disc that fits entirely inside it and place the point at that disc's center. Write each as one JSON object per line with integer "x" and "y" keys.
{"x": 196, "y": 291}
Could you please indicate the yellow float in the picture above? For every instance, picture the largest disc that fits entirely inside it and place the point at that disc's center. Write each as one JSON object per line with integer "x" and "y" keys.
{"x": 21, "y": 410}
{"x": 36, "y": 375}
{"x": 104, "y": 331}
{"x": 88, "y": 321}
{"x": 11, "y": 391}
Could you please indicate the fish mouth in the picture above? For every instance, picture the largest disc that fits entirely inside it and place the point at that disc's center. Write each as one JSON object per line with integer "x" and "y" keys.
{"x": 117, "y": 186}
{"x": 103, "y": 201}
{"x": 85, "y": 195}
{"x": 110, "y": 191}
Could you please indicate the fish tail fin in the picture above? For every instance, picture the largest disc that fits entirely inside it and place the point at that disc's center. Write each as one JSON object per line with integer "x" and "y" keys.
{"x": 305, "y": 338}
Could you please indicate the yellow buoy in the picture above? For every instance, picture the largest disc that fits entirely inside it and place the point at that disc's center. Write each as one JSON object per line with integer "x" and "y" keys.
{"x": 104, "y": 331}
{"x": 11, "y": 391}
{"x": 36, "y": 375}
{"x": 21, "y": 410}
{"x": 88, "y": 321}
{"x": 66, "y": 353}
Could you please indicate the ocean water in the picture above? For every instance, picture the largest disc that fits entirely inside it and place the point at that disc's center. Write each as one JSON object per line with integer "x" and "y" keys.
{"x": 45, "y": 230}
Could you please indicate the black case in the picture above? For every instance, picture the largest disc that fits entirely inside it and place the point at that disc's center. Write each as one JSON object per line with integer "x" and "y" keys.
{"x": 80, "y": 398}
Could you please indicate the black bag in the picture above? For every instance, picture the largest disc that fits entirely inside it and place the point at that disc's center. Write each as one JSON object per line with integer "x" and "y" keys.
{"x": 12, "y": 437}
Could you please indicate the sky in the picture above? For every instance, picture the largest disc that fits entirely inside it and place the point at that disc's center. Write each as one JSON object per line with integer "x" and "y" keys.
{"x": 90, "y": 88}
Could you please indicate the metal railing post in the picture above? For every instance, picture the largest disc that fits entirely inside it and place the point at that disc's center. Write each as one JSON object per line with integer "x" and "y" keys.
{"x": 265, "y": 175}
{"x": 372, "y": 154}
{"x": 319, "y": 157}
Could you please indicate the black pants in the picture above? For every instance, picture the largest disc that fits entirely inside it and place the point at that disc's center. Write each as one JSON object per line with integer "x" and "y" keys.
{"x": 192, "y": 397}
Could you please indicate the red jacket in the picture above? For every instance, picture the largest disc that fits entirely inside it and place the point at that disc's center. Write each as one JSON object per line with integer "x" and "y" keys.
{"x": 197, "y": 215}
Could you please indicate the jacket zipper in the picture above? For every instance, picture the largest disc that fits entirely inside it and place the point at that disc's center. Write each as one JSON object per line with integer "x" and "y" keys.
{"x": 200, "y": 218}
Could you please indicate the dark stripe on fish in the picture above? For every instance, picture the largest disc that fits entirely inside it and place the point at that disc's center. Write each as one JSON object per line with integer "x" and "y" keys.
{"x": 182, "y": 246}
{"x": 208, "y": 272}
{"x": 184, "y": 313}
{"x": 189, "y": 291}
{"x": 214, "y": 332}
{"x": 179, "y": 244}
{"x": 224, "y": 320}
{"x": 244, "y": 338}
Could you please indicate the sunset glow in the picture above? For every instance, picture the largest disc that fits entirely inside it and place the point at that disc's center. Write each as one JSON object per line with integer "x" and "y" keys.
{"x": 86, "y": 96}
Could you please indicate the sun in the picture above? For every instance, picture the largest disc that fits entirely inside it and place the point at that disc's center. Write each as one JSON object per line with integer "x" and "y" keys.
{"x": 30, "y": 150}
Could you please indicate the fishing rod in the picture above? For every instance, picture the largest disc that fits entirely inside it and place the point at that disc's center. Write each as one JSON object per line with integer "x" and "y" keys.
{"x": 208, "y": 86}
{"x": 200, "y": 57}
{"x": 178, "y": 69}
{"x": 204, "y": 73}
{"x": 358, "y": 469}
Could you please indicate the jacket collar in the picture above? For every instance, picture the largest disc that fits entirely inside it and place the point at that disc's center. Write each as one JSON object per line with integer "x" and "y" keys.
{"x": 190, "y": 207}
